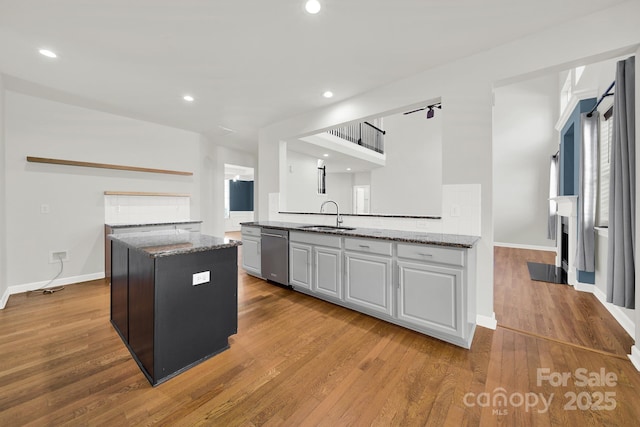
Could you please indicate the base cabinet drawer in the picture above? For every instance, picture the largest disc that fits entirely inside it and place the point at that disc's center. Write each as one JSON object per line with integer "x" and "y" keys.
{"x": 431, "y": 253}
{"x": 431, "y": 297}
{"x": 368, "y": 282}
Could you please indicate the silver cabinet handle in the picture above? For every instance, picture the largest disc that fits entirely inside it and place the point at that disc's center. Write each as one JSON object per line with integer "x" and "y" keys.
{"x": 425, "y": 254}
{"x": 364, "y": 246}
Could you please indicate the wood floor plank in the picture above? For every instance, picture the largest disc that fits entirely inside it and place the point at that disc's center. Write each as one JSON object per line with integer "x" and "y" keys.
{"x": 297, "y": 360}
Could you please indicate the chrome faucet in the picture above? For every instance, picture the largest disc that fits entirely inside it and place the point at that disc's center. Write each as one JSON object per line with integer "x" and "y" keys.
{"x": 338, "y": 217}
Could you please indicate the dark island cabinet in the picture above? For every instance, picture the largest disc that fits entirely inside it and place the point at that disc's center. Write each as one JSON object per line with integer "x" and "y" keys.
{"x": 168, "y": 319}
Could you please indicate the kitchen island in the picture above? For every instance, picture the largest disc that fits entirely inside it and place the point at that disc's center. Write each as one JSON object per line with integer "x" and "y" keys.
{"x": 173, "y": 298}
{"x": 421, "y": 281}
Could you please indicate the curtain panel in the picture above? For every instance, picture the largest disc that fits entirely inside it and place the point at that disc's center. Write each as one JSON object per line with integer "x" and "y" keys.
{"x": 622, "y": 191}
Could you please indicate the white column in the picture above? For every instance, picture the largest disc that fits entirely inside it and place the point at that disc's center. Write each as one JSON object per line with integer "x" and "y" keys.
{"x": 4, "y": 295}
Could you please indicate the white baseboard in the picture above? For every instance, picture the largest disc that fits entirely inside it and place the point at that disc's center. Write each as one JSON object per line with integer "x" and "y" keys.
{"x": 635, "y": 357}
{"x": 586, "y": 287}
{"x": 4, "y": 299}
{"x": 26, "y": 287}
{"x": 530, "y": 247}
{"x": 488, "y": 322}
{"x": 620, "y": 316}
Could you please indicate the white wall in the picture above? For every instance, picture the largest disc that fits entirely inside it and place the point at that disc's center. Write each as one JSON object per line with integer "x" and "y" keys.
{"x": 44, "y": 128}
{"x": 3, "y": 222}
{"x": 465, "y": 88}
{"x": 340, "y": 190}
{"x": 302, "y": 183}
{"x": 524, "y": 139}
{"x": 411, "y": 181}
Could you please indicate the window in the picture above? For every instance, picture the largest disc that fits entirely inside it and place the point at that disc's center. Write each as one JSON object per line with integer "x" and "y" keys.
{"x": 606, "y": 135}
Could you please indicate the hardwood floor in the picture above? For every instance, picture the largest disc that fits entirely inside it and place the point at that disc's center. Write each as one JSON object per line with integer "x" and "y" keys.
{"x": 552, "y": 310}
{"x": 299, "y": 361}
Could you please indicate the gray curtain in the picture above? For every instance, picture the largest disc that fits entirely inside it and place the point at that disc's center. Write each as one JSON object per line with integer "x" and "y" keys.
{"x": 587, "y": 190}
{"x": 622, "y": 190}
{"x": 554, "y": 182}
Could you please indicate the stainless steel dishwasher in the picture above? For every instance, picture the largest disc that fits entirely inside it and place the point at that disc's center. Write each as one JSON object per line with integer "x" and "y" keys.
{"x": 275, "y": 255}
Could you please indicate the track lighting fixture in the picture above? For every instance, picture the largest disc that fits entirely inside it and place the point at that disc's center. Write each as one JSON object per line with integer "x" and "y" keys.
{"x": 430, "y": 110}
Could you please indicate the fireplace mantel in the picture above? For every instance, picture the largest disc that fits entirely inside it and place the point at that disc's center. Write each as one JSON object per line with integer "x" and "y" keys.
{"x": 567, "y": 205}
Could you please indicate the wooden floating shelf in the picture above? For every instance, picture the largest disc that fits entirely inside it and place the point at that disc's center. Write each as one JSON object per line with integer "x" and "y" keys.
{"x": 144, "y": 193}
{"x": 104, "y": 166}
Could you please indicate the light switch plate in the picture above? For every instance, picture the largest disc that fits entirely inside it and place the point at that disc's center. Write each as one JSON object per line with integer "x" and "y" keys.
{"x": 202, "y": 277}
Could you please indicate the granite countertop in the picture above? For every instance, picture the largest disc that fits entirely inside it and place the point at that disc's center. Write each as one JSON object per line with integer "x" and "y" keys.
{"x": 152, "y": 223}
{"x": 441, "y": 239}
{"x": 167, "y": 243}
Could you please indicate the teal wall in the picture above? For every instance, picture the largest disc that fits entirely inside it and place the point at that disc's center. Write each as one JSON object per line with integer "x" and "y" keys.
{"x": 570, "y": 145}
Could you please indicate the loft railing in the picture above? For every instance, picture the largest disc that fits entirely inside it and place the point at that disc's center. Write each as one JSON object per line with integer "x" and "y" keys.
{"x": 364, "y": 134}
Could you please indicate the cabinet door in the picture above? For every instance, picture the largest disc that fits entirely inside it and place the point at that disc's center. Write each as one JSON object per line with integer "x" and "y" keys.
{"x": 328, "y": 271}
{"x": 251, "y": 255}
{"x": 368, "y": 282}
{"x": 300, "y": 265}
{"x": 431, "y": 297}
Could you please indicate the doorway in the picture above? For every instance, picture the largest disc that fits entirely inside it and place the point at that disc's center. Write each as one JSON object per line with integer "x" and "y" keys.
{"x": 527, "y": 118}
{"x": 361, "y": 204}
{"x": 239, "y": 196}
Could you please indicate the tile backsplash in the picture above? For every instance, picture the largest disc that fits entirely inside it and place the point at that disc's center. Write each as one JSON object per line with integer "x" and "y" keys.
{"x": 123, "y": 209}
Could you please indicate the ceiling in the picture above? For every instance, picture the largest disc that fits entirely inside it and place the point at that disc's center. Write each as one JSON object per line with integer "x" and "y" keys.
{"x": 247, "y": 63}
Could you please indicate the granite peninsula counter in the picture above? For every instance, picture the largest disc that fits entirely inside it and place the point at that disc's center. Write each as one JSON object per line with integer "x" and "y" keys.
{"x": 440, "y": 239}
{"x": 174, "y": 298}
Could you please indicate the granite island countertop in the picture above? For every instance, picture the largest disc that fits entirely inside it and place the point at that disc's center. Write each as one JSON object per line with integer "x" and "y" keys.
{"x": 417, "y": 237}
{"x": 168, "y": 243}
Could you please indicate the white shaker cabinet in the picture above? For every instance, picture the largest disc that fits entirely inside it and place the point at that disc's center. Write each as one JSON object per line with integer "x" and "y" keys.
{"x": 300, "y": 265}
{"x": 328, "y": 271}
{"x": 428, "y": 296}
{"x": 251, "y": 256}
{"x": 429, "y": 288}
{"x": 433, "y": 296}
{"x": 368, "y": 265}
{"x": 315, "y": 264}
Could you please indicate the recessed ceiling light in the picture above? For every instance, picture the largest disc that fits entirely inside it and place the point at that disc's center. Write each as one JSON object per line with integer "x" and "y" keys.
{"x": 188, "y": 98}
{"x": 325, "y": 155}
{"x": 313, "y": 6}
{"x": 327, "y": 94}
{"x": 348, "y": 169}
{"x": 225, "y": 129}
{"x": 48, "y": 53}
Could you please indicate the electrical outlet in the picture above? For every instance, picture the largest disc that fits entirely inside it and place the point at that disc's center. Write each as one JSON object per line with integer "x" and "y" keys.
{"x": 45, "y": 209}
{"x": 57, "y": 256}
{"x": 202, "y": 277}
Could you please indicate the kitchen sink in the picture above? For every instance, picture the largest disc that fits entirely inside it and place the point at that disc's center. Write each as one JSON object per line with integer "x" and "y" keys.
{"x": 325, "y": 228}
